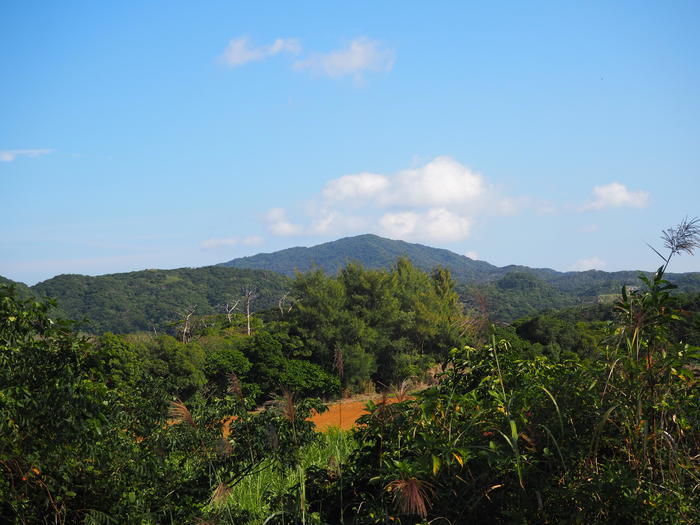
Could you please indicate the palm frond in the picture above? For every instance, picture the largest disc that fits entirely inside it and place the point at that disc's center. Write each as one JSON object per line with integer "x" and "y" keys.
{"x": 412, "y": 496}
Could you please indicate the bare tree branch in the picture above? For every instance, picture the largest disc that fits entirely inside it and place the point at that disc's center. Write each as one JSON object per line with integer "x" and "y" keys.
{"x": 185, "y": 315}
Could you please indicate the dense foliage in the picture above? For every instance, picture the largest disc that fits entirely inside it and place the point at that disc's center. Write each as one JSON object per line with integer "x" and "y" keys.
{"x": 376, "y": 252}
{"x": 515, "y": 295}
{"x": 86, "y": 435}
{"x": 580, "y": 415}
{"x": 507, "y": 438}
{"x": 374, "y": 325}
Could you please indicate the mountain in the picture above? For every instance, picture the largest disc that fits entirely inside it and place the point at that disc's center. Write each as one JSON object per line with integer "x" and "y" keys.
{"x": 23, "y": 291}
{"x": 511, "y": 291}
{"x": 373, "y": 251}
{"x": 154, "y": 299}
{"x": 369, "y": 250}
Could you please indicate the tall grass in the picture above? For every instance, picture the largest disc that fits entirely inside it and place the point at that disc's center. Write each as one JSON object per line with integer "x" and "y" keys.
{"x": 255, "y": 496}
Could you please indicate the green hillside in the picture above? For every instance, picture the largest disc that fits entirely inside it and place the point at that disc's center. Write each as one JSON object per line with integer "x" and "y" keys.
{"x": 23, "y": 290}
{"x": 515, "y": 295}
{"x": 153, "y": 299}
{"x": 372, "y": 252}
{"x": 511, "y": 291}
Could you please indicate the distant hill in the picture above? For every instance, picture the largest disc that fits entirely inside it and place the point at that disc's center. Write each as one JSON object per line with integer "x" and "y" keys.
{"x": 23, "y": 290}
{"x": 373, "y": 251}
{"x": 151, "y": 299}
{"x": 369, "y": 250}
{"x": 512, "y": 291}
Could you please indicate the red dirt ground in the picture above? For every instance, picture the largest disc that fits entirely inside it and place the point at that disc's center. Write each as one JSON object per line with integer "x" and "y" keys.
{"x": 344, "y": 414}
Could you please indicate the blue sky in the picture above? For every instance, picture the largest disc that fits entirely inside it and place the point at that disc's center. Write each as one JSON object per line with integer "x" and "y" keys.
{"x": 166, "y": 134}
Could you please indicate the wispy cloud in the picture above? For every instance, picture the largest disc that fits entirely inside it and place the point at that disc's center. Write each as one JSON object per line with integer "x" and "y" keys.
{"x": 219, "y": 243}
{"x": 240, "y": 51}
{"x": 436, "y": 201}
{"x": 278, "y": 223}
{"x": 10, "y": 155}
{"x": 229, "y": 242}
{"x": 616, "y": 195}
{"x": 590, "y": 263}
{"x": 253, "y": 240}
{"x": 361, "y": 55}
{"x": 359, "y": 186}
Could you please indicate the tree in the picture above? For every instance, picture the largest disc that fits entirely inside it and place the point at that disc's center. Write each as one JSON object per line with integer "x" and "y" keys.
{"x": 249, "y": 295}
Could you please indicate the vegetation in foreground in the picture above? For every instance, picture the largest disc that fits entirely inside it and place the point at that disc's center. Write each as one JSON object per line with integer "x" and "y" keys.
{"x": 547, "y": 421}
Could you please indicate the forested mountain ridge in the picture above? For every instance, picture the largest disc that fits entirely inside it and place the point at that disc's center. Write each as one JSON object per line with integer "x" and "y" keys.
{"x": 23, "y": 290}
{"x": 371, "y": 251}
{"x": 377, "y": 252}
{"x": 154, "y": 299}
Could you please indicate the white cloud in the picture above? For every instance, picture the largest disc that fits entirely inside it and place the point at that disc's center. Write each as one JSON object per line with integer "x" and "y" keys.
{"x": 332, "y": 221}
{"x": 11, "y": 154}
{"x": 472, "y": 255}
{"x": 278, "y": 223}
{"x": 219, "y": 243}
{"x": 363, "y": 54}
{"x": 360, "y": 186}
{"x": 616, "y": 195}
{"x": 230, "y": 242}
{"x": 591, "y": 263}
{"x": 443, "y": 181}
{"x": 253, "y": 240}
{"x": 240, "y": 51}
{"x": 436, "y": 224}
{"x": 433, "y": 202}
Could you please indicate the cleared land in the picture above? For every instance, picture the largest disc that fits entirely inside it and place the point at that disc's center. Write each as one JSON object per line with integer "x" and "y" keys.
{"x": 344, "y": 414}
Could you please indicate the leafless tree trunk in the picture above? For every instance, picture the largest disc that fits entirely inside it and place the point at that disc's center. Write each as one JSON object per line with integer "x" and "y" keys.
{"x": 249, "y": 296}
{"x": 185, "y": 315}
{"x": 229, "y": 308}
{"x": 281, "y": 304}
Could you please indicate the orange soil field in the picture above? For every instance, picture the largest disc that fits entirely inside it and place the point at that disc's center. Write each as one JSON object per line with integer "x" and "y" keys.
{"x": 344, "y": 414}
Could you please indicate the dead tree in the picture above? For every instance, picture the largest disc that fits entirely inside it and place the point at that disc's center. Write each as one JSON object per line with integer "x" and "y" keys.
{"x": 282, "y": 306}
{"x": 249, "y": 295}
{"x": 229, "y": 308}
{"x": 186, "y": 315}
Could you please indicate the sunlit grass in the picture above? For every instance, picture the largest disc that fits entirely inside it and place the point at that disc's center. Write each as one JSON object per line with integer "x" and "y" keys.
{"x": 256, "y": 493}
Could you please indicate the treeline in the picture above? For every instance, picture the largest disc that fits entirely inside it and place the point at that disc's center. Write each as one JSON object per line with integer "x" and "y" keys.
{"x": 157, "y": 299}
{"x": 352, "y": 332}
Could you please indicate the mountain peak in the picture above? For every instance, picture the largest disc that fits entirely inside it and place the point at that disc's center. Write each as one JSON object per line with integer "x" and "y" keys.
{"x": 370, "y": 250}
